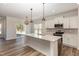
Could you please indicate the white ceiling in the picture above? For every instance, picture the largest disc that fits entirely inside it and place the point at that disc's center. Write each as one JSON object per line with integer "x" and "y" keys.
{"x": 22, "y": 10}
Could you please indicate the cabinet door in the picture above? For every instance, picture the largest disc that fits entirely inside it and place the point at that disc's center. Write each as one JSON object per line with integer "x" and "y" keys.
{"x": 66, "y": 39}
{"x": 60, "y": 20}
{"x": 70, "y": 39}
{"x": 66, "y": 22}
{"x": 73, "y": 22}
{"x": 56, "y": 21}
{"x": 74, "y": 40}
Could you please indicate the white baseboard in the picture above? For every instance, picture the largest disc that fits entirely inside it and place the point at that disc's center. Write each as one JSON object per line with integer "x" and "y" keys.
{"x": 70, "y": 45}
{"x": 10, "y": 39}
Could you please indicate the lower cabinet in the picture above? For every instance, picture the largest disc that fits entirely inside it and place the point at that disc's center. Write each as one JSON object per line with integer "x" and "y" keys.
{"x": 70, "y": 40}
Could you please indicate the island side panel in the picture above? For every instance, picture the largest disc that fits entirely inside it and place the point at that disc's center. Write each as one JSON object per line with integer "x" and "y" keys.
{"x": 54, "y": 48}
{"x": 42, "y": 46}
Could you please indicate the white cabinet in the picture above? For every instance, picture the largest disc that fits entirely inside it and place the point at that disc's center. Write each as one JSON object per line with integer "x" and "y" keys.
{"x": 66, "y": 22}
{"x": 70, "y": 22}
{"x": 70, "y": 39}
{"x": 56, "y": 21}
{"x": 50, "y": 23}
{"x": 73, "y": 22}
{"x": 60, "y": 20}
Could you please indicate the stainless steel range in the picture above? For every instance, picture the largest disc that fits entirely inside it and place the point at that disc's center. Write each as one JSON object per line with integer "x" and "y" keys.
{"x": 59, "y": 32}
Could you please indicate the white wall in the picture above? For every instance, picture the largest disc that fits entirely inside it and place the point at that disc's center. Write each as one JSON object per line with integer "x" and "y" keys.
{"x": 11, "y": 27}
{"x": 78, "y": 30}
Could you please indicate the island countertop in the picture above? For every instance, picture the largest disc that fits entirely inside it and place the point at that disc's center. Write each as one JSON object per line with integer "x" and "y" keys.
{"x": 46, "y": 44}
{"x": 43, "y": 37}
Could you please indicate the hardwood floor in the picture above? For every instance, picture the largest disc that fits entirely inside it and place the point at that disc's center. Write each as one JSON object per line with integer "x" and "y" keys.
{"x": 69, "y": 51}
{"x": 17, "y": 48}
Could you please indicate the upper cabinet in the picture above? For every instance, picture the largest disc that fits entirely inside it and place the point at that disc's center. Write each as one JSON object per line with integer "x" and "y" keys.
{"x": 74, "y": 22}
{"x": 50, "y": 23}
{"x": 60, "y": 20}
{"x": 68, "y": 22}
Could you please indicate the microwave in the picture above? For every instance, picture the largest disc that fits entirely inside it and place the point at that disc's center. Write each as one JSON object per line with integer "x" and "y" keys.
{"x": 58, "y": 25}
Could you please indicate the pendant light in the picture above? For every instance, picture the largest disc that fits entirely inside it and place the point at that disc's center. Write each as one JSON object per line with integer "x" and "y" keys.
{"x": 43, "y": 19}
{"x": 26, "y": 21}
{"x": 31, "y": 16}
{"x": 31, "y": 21}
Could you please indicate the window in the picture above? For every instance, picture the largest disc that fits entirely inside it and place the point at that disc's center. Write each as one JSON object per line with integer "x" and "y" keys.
{"x": 38, "y": 28}
{"x": 0, "y": 28}
{"x": 20, "y": 29}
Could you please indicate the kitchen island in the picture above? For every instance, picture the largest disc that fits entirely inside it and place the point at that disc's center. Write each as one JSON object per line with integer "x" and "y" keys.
{"x": 46, "y": 44}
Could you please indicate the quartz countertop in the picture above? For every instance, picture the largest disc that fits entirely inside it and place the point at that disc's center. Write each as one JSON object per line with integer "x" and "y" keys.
{"x": 43, "y": 37}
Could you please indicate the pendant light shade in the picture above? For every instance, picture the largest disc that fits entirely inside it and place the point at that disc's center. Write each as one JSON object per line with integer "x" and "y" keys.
{"x": 26, "y": 21}
{"x": 43, "y": 19}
